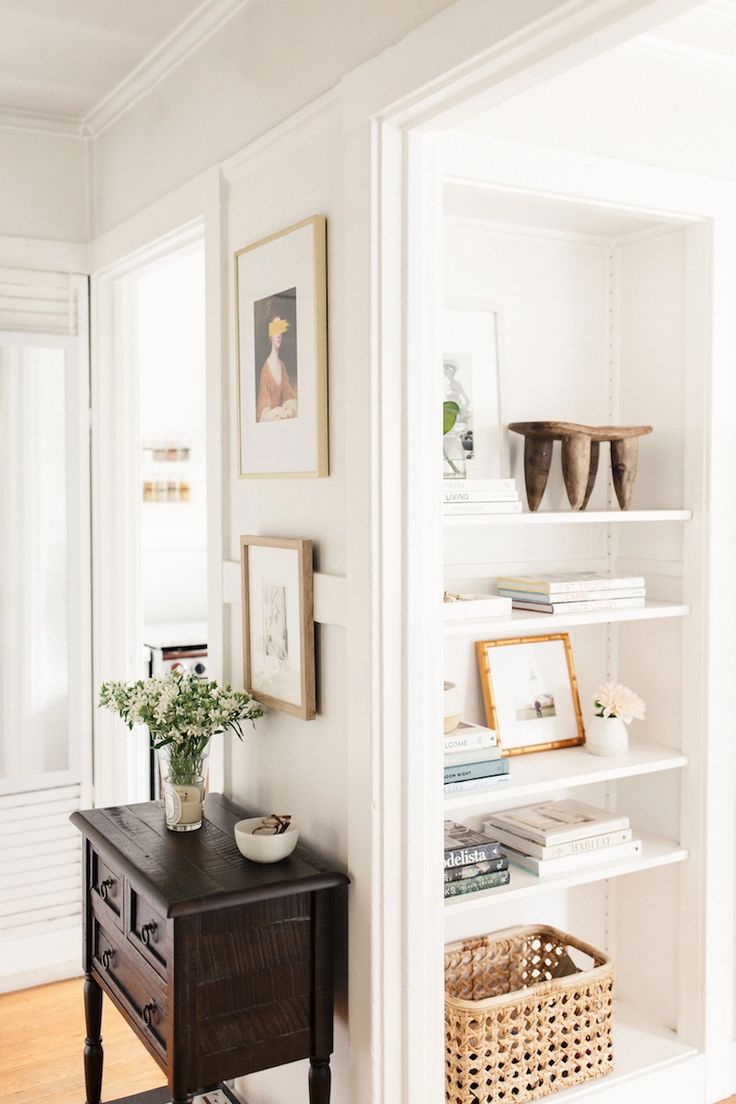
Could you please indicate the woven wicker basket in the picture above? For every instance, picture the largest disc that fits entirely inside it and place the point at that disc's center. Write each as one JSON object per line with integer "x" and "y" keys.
{"x": 521, "y": 1019}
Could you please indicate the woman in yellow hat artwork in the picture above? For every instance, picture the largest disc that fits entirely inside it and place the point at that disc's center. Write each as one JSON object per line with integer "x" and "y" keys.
{"x": 277, "y": 398}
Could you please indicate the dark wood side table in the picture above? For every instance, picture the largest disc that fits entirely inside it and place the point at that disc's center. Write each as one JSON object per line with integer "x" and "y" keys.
{"x": 221, "y": 966}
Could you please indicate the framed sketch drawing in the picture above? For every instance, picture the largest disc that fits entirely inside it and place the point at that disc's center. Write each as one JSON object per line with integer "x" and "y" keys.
{"x": 472, "y": 380}
{"x": 530, "y": 692}
{"x": 278, "y": 623}
{"x": 281, "y": 308}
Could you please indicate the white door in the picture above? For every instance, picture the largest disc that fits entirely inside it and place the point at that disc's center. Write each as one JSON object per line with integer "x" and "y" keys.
{"x": 45, "y": 685}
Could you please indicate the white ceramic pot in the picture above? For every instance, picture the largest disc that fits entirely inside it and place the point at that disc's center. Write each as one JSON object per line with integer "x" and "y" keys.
{"x": 606, "y": 736}
{"x": 261, "y": 847}
{"x": 452, "y": 708}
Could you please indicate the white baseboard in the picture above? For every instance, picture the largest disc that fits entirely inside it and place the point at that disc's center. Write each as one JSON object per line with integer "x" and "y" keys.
{"x": 43, "y": 976}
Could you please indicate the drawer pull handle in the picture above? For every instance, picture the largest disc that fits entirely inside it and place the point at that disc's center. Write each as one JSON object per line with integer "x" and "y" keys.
{"x": 107, "y": 957}
{"x": 105, "y": 888}
{"x": 147, "y": 932}
{"x": 148, "y": 1013}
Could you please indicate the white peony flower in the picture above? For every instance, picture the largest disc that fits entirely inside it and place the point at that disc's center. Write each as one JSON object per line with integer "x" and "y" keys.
{"x": 614, "y": 700}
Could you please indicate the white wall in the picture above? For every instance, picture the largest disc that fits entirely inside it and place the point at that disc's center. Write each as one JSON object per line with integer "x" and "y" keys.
{"x": 270, "y": 58}
{"x": 43, "y": 186}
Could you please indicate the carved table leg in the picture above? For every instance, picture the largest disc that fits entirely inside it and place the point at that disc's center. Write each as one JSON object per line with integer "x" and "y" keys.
{"x": 576, "y": 457}
{"x": 595, "y": 449}
{"x": 537, "y": 460}
{"x": 319, "y": 1080}
{"x": 93, "y": 1043}
{"x": 624, "y": 462}
{"x": 187, "y": 1098}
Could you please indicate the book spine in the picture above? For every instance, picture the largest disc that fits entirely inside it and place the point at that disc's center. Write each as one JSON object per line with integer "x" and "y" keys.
{"x": 483, "y": 768}
{"x": 473, "y": 870}
{"x": 580, "y": 596}
{"x": 571, "y": 862}
{"x": 482, "y": 486}
{"x": 474, "y": 885}
{"x": 479, "y": 496}
{"x": 468, "y": 856}
{"x": 580, "y": 607}
{"x": 482, "y": 755}
{"x": 545, "y": 586}
{"x": 482, "y": 507}
{"x": 559, "y": 835}
{"x": 476, "y": 784}
{"x": 471, "y": 742}
{"x": 560, "y": 850}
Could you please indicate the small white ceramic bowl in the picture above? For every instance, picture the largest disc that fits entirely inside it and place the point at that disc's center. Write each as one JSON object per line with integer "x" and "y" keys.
{"x": 261, "y": 847}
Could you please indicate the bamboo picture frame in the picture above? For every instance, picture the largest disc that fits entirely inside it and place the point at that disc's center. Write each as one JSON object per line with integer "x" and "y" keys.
{"x": 278, "y": 623}
{"x": 281, "y": 349}
{"x": 530, "y": 692}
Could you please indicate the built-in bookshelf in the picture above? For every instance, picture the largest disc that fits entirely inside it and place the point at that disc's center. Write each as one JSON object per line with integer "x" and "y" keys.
{"x": 591, "y": 329}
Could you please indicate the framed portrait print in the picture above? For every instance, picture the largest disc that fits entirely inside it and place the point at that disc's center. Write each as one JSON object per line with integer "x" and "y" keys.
{"x": 281, "y": 308}
{"x": 278, "y": 623}
{"x": 530, "y": 692}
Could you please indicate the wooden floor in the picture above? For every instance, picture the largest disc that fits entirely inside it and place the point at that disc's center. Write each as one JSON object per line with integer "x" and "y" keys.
{"x": 41, "y": 1042}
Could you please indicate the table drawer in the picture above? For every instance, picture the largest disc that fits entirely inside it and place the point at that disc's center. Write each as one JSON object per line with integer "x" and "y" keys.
{"x": 148, "y": 930}
{"x": 138, "y": 987}
{"x": 106, "y": 888}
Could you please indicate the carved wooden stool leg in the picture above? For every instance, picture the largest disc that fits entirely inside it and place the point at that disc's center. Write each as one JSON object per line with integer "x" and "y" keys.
{"x": 576, "y": 456}
{"x": 537, "y": 460}
{"x": 93, "y": 1043}
{"x": 624, "y": 462}
{"x": 595, "y": 449}
{"x": 319, "y": 1080}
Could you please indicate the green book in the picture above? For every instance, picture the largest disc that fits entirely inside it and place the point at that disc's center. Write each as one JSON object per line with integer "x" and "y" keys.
{"x": 474, "y": 885}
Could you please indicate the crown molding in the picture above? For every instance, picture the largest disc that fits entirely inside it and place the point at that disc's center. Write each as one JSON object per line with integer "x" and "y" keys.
{"x": 301, "y": 123}
{"x": 184, "y": 41}
{"x": 13, "y": 119}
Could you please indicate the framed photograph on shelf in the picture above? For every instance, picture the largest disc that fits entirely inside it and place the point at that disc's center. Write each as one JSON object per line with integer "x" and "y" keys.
{"x": 278, "y": 623}
{"x": 530, "y": 692}
{"x": 281, "y": 308}
{"x": 472, "y": 380}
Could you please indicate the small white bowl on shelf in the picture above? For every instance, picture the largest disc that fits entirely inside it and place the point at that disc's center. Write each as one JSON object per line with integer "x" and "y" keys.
{"x": 264, "y": 847}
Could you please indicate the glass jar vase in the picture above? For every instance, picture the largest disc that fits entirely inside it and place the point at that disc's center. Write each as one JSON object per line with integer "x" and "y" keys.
{"x": 183, "y": 787}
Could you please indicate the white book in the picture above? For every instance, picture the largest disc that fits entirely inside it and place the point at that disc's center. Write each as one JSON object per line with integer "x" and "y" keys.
{"x": 573, "y": 596}
{"x": 468, "y": 737}
{"x": 580, "y": 607}
{"x": 455, "y": 508}
{"x": 477, "y": 755}
{"x": 479, "y": 486}
{"x": 469, "y": 607}
{"x": 476, "y": 784}
{"x": 542, "y": 867}
{"x": 478, "y": 496}
{"x": 562, "y": 584}
{"x": 552, "y": 822}
{"x": 557, "y": 850}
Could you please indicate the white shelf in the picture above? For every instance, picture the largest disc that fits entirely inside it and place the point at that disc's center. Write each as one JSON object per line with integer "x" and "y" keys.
{"x": 542, "y": 772}
{"x": 568, "y": 517}
{"x": 655, "y": 852}
{"x": 525, "y": 621}
{"x": 641, "y": 1046}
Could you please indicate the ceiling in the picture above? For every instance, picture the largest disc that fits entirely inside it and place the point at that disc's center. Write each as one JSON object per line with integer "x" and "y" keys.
{"x": 63, "y": 60}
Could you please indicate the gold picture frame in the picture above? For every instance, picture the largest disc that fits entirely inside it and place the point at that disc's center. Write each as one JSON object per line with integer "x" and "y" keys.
{"x": 281, "y": 352}
{"x": 278, "y": 623}
{"x": 530, "y": 692}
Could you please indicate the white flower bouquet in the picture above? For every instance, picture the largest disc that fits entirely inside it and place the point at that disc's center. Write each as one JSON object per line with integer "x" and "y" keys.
{"x": 182, "y": 713}
{"x": 614, "y": 700}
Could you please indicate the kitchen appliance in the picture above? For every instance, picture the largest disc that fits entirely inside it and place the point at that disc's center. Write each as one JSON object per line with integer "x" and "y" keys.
{"x": 172, "y": 646}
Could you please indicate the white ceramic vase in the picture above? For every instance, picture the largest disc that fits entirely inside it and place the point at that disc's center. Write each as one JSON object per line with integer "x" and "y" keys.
{"x": 453, "y": 709}
{"x": 606, "y": 736}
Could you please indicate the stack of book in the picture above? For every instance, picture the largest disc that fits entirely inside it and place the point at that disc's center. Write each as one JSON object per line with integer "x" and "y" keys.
{"x": 473, "y": 759}
{"x": 472, "y": 861}
{"x": 480, "y": 496}
{"x": 558, "y": 836}
{"x": 573, "y": 593}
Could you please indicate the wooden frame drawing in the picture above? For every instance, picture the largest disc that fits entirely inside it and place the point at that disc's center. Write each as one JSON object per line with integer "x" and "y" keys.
{"x": 278, "y": 623}
{"x": 530, "y": 692}
{"x": 281, "y": 343}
